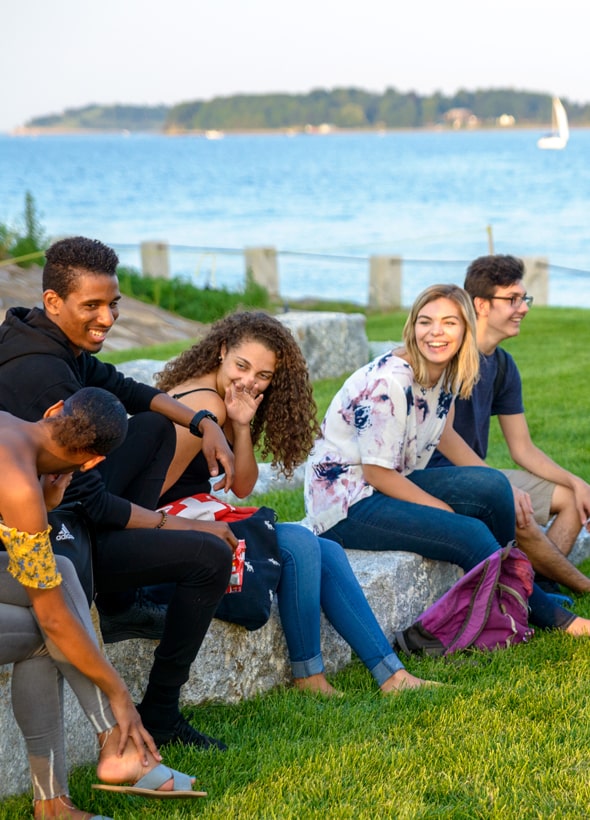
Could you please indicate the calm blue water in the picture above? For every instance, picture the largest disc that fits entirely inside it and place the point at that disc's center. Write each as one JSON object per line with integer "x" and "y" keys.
{"x": 426, "y": 196}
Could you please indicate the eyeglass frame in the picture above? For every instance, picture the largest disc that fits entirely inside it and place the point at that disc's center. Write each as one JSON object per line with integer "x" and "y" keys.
{"x": 516, "y": 301}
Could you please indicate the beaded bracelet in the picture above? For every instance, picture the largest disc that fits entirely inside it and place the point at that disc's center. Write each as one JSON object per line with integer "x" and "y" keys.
{"x": 164, "y": 515}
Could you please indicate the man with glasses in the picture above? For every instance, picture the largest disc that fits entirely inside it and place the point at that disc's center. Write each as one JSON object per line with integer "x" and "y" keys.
{"x": 544, "y": 493}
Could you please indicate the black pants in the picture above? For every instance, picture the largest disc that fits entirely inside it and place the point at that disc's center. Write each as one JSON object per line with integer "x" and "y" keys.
{"x": 197, "y": 563}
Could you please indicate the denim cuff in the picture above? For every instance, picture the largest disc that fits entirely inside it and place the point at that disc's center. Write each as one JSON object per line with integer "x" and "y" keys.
{"x": 303, "y": 669}
{"x": 386, "y": 668}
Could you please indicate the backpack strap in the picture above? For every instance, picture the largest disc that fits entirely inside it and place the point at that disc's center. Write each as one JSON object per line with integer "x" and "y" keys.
{"x": 502, "y": 358}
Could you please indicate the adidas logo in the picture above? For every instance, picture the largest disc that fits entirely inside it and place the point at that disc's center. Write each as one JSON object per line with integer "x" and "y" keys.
{"x": 64, "y": 534}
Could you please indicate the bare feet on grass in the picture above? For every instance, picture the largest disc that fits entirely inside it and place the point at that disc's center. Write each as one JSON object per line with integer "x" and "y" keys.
{"x": 318, "y": 685}
{"x": 579, "y": 627}
{"x": 128, "y": 768}
{"x": 402, "y": 680}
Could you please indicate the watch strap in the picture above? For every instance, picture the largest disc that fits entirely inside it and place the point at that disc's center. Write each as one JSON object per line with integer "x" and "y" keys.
{"x": 197, "y": 419}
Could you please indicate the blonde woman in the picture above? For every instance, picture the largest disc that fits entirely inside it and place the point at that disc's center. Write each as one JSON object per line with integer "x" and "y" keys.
{"x": 366, "y": 486}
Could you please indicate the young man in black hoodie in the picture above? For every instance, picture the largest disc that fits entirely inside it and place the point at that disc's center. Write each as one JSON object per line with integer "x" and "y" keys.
{"x": 46, "y": 356}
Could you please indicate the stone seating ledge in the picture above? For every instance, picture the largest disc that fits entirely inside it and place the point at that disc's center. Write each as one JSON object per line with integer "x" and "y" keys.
{"x": 235, "y": 664}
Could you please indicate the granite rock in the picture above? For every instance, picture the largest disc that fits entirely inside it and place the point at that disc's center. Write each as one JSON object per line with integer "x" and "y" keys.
{"x": 234, "y": 664}
{"x": 333, "y": 343}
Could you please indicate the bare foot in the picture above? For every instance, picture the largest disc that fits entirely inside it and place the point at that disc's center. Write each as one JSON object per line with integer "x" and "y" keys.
{"x": 579, "y": 627}
{"x": 317, "y": 684}
{"x": 128, "y": 768}
{"x": 61, "y": 808}
{"x": 403, "y": 680}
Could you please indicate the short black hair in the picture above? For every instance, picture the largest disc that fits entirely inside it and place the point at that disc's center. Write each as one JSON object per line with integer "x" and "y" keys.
{"x": 92, "y": 420}
{"x": 486, "y": 273}
{"x": 68, "y": 258}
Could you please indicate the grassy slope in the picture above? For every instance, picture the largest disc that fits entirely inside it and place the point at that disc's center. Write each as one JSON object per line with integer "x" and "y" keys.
{"x": 507, "y": 736}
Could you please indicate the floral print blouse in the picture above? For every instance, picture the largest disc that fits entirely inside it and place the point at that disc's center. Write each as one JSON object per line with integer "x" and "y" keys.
{"x": 380, "y": 416}
{"x": 30, "y": 558}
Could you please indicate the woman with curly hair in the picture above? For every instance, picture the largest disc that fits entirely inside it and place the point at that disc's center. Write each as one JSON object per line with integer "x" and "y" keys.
{"x": 284, "y": 425}
{"x": 251, "y": 375}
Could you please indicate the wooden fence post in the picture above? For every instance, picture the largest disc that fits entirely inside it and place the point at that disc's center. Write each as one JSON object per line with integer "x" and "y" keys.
{"x": 155, "y": 259}
{"x": 536, "y": 278}
{"x": 385, "y": 282}
{"x": 263, "y": 264}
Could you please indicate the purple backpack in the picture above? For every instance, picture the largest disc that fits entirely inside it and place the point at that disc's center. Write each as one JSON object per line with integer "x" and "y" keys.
{"x": 486, "y": 609}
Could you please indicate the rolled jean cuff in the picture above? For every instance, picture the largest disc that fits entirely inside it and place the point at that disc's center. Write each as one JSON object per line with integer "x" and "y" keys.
{"x": 386, "y": 668}
{"x": 564, "y": 622}
{"x": 304, "y": 669}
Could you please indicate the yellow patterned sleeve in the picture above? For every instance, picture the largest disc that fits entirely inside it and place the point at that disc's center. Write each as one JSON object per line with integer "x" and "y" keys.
{"x": 30, "y": 558}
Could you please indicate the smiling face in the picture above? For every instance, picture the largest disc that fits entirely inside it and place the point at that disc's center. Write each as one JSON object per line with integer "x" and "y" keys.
{"x": 249, "y": 366}
{"x": 88, "y": 312}
{"x": 502, "y": 312}
{"x": 439, "y": 331}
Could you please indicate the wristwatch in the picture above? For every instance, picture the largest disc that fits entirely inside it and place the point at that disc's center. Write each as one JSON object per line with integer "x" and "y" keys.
{"x": 197, "y": 419}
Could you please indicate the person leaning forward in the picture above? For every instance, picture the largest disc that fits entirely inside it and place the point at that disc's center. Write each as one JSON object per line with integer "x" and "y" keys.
{"x": 45, "y": 626}
{"x": 46, "y": 354}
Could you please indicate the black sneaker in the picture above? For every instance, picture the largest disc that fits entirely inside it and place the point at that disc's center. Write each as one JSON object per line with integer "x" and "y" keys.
{"x": 186, "y": 735}
{"x": 144, "y": 619}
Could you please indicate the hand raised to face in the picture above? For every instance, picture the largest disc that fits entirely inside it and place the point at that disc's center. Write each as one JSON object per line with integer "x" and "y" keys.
{"x": 242, "y": 403}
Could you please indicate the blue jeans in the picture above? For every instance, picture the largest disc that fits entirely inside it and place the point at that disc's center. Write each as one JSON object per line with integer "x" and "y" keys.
{"x": 482, "y": 522}
{"x": 316, "y": 574}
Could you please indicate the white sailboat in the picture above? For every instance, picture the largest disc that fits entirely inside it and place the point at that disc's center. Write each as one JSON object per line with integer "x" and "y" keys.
{"x": 560, "y": 131}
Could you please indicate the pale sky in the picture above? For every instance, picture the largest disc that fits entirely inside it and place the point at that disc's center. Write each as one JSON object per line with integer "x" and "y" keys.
{"x": 58, "y": 54}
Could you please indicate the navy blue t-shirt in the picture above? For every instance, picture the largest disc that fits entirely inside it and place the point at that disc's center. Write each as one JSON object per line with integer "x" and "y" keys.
{"x": 472, "y": 416}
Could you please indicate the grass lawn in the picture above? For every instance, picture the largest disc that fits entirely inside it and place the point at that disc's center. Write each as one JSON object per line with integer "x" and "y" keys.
{"x": 507, "y": 735}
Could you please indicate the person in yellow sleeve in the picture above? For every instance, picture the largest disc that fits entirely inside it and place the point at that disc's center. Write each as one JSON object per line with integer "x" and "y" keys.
{"x": 45, "y": 625}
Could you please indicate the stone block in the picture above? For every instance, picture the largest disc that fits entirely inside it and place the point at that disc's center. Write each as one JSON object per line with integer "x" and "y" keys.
{"x": 142, "y": 370}
{"x": 581, "y": 548}
{"x": 332, "y": 343}
{"x": 235, "y": 664}
{"x": 381, "y": 348}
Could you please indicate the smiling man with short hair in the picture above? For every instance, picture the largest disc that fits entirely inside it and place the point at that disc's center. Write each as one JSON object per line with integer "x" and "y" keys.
{"x": 46, "y": 355}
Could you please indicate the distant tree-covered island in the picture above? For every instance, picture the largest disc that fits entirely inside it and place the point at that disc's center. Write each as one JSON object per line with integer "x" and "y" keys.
{"x": 340, "y": 108}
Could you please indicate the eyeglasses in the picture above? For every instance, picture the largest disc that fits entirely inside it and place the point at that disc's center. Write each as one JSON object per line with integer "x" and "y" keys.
{"x": 515, "y": 301}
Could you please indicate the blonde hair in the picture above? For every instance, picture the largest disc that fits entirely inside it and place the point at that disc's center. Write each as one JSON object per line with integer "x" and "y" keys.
{"x": 462, "y": 372}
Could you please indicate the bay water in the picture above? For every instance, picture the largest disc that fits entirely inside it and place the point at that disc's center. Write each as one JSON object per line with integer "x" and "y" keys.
{"x": 326, "y": 203}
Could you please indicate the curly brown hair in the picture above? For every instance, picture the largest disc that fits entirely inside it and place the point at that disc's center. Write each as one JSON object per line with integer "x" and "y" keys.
{"x": 285, "y": 425}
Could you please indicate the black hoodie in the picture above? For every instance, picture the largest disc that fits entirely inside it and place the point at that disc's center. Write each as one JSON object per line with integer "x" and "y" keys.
{"x": 38, "y": 368}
